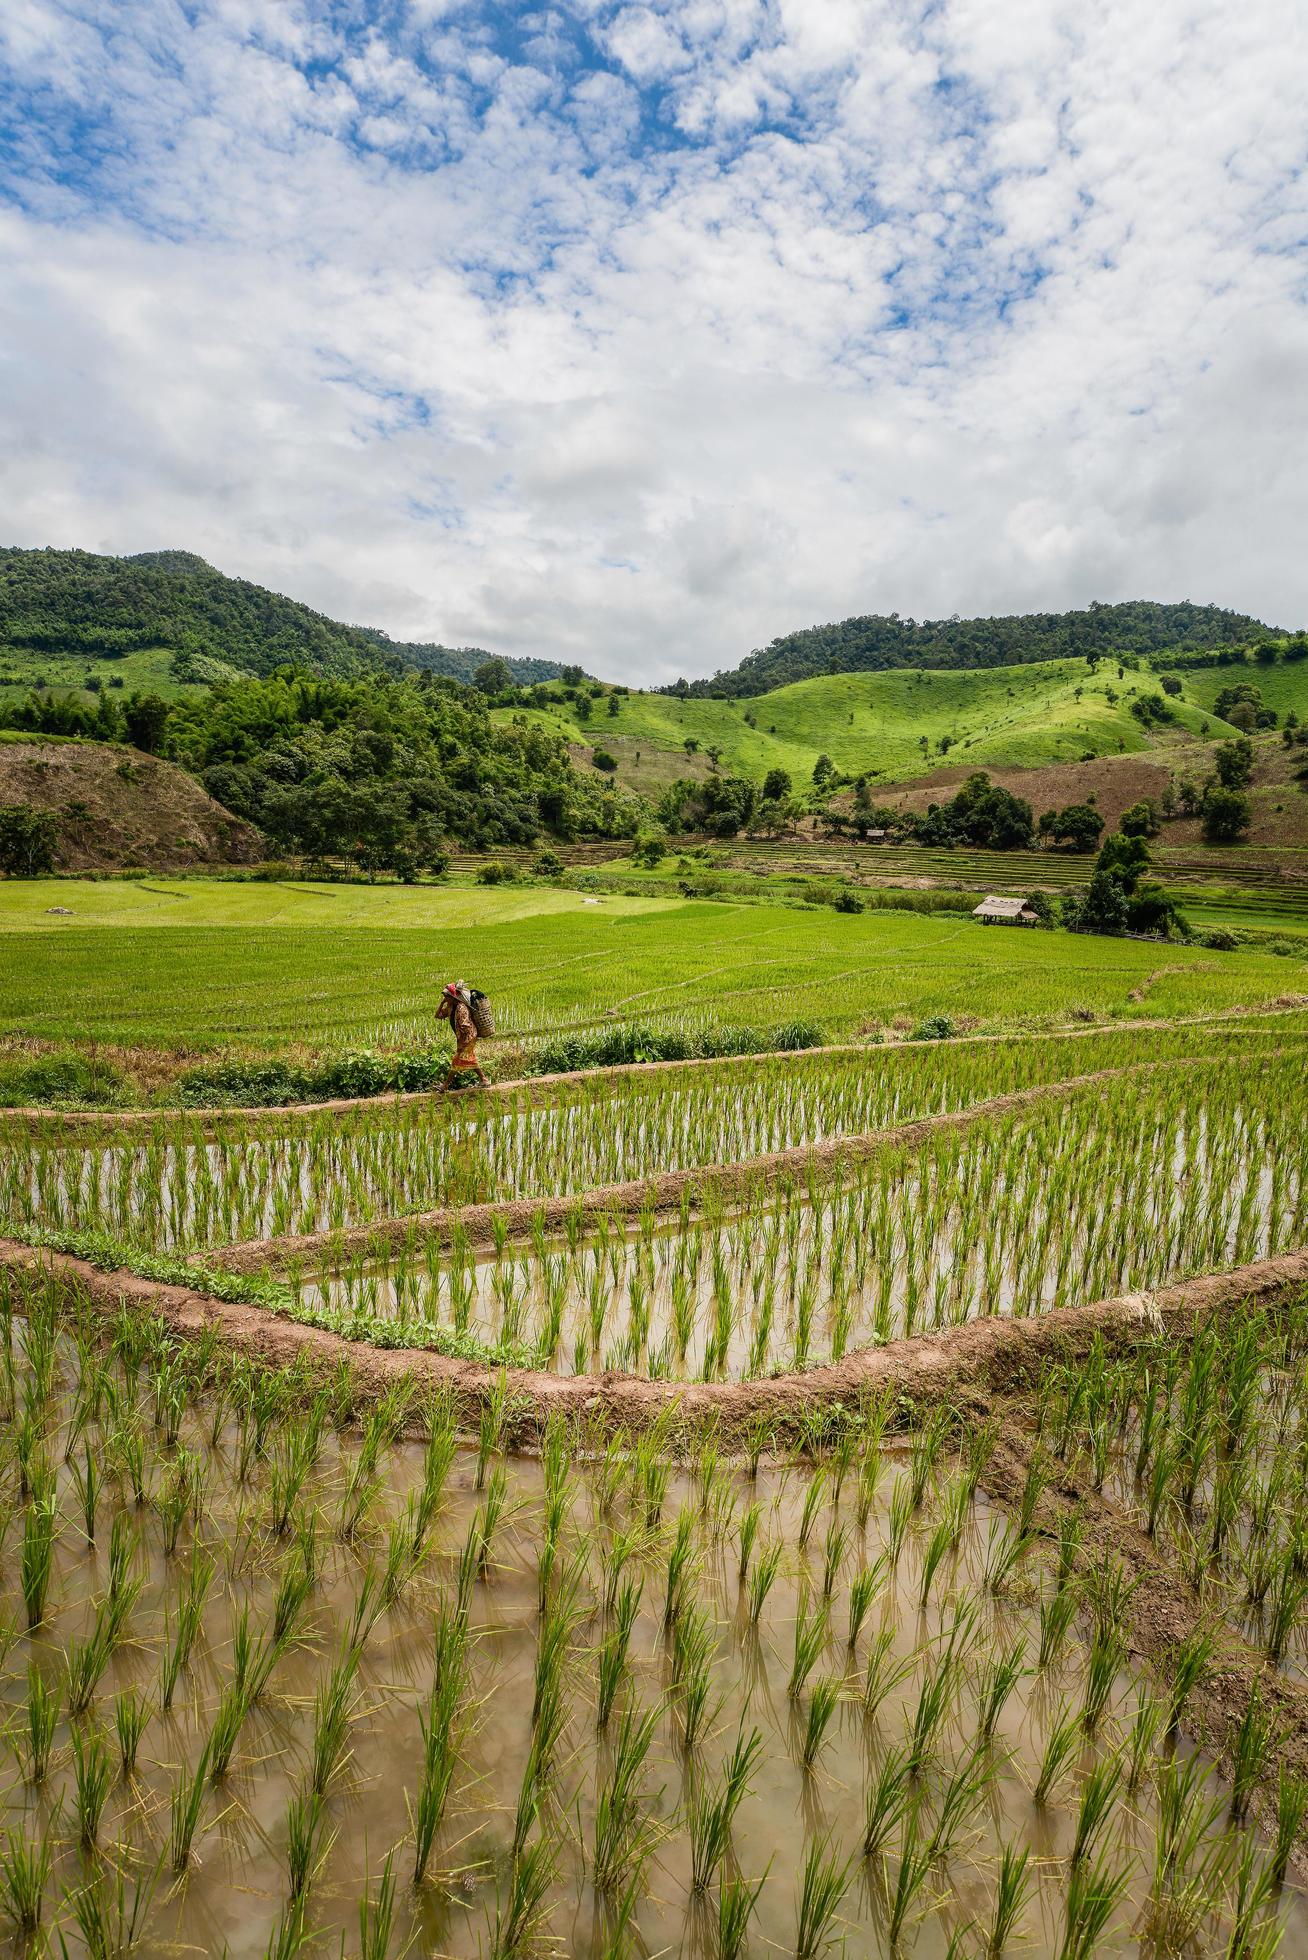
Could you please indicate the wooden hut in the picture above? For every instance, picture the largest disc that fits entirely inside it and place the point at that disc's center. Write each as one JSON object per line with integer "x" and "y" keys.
{"x": 994, "y": 911}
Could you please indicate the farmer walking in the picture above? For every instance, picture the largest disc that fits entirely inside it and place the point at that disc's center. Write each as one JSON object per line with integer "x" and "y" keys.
{"x": 456, "y": 1007}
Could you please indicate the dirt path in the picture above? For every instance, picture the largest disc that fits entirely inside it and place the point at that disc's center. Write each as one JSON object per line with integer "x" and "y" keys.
{"x": 212, "y": 1120}
{"x": 990, "y": 1358}
{"x": 662, "y": 1194}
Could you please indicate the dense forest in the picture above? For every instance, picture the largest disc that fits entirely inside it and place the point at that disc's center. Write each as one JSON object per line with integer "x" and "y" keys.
{"x": 389, "y": 771}
{"x": 863, "y": 645}
{"x": 75, "y": 602}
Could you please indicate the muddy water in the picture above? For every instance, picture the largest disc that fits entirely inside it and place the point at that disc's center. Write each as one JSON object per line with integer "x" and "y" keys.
{"x": 233, "y": 1890}
{"x": 797, "y": 1285}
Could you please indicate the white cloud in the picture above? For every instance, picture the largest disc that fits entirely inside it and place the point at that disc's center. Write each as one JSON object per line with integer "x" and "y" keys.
{"x": 665, "y": 327}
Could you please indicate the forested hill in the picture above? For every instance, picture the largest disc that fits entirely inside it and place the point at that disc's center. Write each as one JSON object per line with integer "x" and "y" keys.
{"x": 75, "y": 602}
{"x": 874, "y": 641}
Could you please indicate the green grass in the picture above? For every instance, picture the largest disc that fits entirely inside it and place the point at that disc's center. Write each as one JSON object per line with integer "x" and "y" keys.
{"x": 212, "y": 902}
{"x": 1015, "y": 717}
{"x": 246, "y": 971}
{"x": 149, "y": 672}
{"x": 1283, "y": 686}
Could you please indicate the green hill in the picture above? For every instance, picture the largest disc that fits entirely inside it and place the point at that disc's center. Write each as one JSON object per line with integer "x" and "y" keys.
{"x": 1016, "y": 717}
{"x": 177, "y": 620}
{"x": 873, "y": 642}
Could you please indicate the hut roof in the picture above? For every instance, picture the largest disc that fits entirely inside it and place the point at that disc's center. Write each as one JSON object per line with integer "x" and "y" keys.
{"x": 992, "y": 907}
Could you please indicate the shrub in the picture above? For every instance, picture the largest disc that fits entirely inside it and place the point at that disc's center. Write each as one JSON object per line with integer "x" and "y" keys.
{"x": 495, "y": 872}
{"x": 613, "y": 1047}
{"x": 848, "y": 900}
{"x": 1219, "y": 939}
{"x": 936, "y": 1027}
{"x": 242, "y": 1082}
{"x": 549, "y": 865}
{"x": 602, "y": 759}
{"x": 79, "y": 1081}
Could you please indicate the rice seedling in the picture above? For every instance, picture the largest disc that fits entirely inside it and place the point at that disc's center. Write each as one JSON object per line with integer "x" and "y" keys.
{"x": 1099, "y": 1795}
{"x": 441, "y": 1726}
{"x": 1012, "y": 1888}
{"x": 1062, "y": 1742}
{"x": 761, "y": 1580}
{"x": 811, "y": 1633}
{"x": 40, "y": 1530}
{"x": 187, "y": 1804}
{"x": 43, "y": 1709}
{"x": 377, "y": 1916}
{"x": 1291, "y": 1813}
{"x": 614, "y": 1661}
{"x": 823, "y": 1883}
{"x": 823, "y": 1702}
{"x": 712, "y": 1814}
{"x": 1093, "y": 1894}
{"x": 737, "y": 1901}
{"x": 625, "y": 1832}
{"x": 110, "y": 1914}
{"x": 24, "y": 1875}
{"x": 131, "y": 1717}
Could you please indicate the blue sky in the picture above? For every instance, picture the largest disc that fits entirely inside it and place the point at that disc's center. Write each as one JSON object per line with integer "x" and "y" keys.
{"x": 640, "y": 333}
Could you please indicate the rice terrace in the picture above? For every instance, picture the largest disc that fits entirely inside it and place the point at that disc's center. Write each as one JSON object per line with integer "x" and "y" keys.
{"x": 653, "y": 981}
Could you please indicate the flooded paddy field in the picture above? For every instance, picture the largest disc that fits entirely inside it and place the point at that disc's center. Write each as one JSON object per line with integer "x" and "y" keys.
{"x": 182, "y": 1182}
{"x": 1206, "y": 1447}
{"x": 281, "y": 1674}
{"x": 1131, "y": 1182}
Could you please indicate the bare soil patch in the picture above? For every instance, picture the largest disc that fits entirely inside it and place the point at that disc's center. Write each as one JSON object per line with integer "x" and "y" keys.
{"x": 1114, "y": 782}
{"x": 121, "y": 810}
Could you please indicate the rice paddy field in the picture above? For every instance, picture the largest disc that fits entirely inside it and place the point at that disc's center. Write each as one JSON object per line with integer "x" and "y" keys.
{"x": 195, "y": 966}
{"x": 275, "y": 1681}
{"x": 696, "y": 1509}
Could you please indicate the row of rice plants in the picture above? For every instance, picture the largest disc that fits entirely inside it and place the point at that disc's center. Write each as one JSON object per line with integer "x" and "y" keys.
{"x": 272, "y": 1683}
{"x": 1208, "y": 1449}
{"x": 181, "y": 1183}
{"x": 1132, "y": 1182}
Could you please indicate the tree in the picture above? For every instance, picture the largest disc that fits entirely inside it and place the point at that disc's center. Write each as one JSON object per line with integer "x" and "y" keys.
{"x": 1126, "y": 858}
{"x": 146, "y": 716}
{"x": 584, "y": 708}
{"x": 1078, "y": 826}
{"x": 691, "y": 745}
{"x": 494, "y": 676}
{"x": 1234, "y": 763}
{"x": 823, "y": 773}
{"x": 27, "y": 840}
{"x": 614, "y": 705}
{"x": 1102, "y": 907}
{"x": 776, "y": 786}
{"x": 1141, "y": 819}
{"x": 1227, "y": 814}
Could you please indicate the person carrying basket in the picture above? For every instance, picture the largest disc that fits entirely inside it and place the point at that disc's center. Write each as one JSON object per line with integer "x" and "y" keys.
{"x": 468, "y": 1011}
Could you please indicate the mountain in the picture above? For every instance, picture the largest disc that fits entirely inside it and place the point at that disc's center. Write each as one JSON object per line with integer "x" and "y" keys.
{"x": 875, "y": 642}
{"x": 77, "y": 603}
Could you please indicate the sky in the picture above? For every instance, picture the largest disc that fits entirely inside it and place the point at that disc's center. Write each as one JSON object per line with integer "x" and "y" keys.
{"x": 637, "y": 334}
